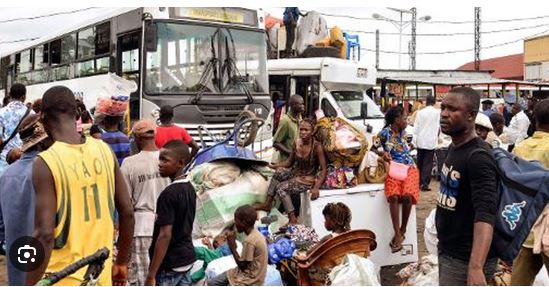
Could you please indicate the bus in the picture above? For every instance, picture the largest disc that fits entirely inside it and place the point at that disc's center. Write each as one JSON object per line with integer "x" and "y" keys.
{"x": 209, "y": 64}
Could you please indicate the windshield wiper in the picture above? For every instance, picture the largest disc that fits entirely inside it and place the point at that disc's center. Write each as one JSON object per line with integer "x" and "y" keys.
{"x": 233, "y": 74}
{"x": 211, "y": 68}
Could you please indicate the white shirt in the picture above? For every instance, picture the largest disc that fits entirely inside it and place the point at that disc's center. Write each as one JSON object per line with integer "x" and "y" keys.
{"x": 426, "y": 128}
{"x": 518, "y": 128}
{"x": 144, "y": 185}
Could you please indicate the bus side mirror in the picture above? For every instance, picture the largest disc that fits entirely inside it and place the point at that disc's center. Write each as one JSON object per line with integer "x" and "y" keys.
{"x": 364, "y": 110}
{"x": 151, "y": 39}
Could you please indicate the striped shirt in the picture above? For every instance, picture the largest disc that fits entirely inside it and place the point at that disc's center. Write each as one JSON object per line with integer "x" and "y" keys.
{"x": 119, "y": 143}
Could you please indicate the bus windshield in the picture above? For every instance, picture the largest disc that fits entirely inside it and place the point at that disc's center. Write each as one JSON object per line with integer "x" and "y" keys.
{"x": 349, "y": 103}
{"x": 191, "y": 58}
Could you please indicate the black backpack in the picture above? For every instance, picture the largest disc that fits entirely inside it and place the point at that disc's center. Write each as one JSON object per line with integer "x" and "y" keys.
{"x": 523, "y": 193}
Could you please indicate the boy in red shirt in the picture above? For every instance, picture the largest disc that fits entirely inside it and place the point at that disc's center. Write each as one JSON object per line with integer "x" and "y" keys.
{"x": 168, "y": 131}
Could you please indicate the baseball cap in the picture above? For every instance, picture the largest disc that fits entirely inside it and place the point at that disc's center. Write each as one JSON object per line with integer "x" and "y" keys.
{"x": 144, "y": 128}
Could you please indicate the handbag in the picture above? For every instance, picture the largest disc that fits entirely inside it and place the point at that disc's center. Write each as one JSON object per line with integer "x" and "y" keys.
{"x": 398, "y": 171}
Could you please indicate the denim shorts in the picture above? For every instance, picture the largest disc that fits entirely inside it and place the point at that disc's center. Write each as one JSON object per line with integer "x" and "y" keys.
{"x": 173, "y": 278}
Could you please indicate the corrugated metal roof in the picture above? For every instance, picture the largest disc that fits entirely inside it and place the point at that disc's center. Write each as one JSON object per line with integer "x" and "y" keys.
{"x": 449, "y": 78}
{"x": 506, "y": 67}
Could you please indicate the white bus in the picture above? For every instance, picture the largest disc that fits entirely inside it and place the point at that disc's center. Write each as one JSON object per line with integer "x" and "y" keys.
{"x": 208, "y": 63}
{"x": 337, "y": 87}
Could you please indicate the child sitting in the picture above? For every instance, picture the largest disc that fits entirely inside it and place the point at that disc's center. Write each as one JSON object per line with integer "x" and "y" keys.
{"x": 218, "y": 249}
{"x": 252, "y": 264}
{"x": 337, "y": 220}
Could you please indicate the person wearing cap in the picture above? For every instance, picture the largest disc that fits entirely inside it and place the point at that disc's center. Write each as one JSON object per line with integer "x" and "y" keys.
{"x": 485, "y": 131}
{"x": 487, "y": 107}
{"x": 144, "y": 185}
{"x": 17, "y": 198}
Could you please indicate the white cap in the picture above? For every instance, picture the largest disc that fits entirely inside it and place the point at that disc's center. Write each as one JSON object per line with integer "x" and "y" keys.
{"x": 484, "y": 121}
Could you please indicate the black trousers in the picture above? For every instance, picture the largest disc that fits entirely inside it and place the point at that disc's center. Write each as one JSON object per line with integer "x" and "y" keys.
{"x": 290, "y": 36}
{"x": 425, "y": 165}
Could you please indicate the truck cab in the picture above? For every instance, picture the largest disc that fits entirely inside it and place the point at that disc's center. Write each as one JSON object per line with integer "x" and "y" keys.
{"x": 329, "y": 86}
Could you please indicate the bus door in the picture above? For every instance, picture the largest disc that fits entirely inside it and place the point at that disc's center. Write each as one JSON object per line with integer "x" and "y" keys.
{"x": 128, "y": 63}
{"x": 308, "y": 88}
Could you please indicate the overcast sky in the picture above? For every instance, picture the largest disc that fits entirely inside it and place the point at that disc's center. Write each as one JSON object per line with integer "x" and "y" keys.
{"x": 425, "y": 44}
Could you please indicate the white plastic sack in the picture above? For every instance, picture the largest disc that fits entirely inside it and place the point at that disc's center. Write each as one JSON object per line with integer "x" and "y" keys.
{"x": 215, "y": 207}
{"x": 422, "y": 273}
{"x": 542, "y": 279}
{"x": 354, "y": 271}
{"x": 114, "y": 96}
{"x": 223, "y": 264}
{"x": 213, "y": 174}
{"x": 311, "y": 29}
{"x": 430, "y": 233}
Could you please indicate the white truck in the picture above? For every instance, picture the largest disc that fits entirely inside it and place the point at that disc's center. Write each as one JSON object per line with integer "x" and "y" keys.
{"x": 338, "y": 87}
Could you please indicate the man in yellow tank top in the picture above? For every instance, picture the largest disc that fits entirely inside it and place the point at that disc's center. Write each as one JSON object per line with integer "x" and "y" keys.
{"x": 78, "y": 185}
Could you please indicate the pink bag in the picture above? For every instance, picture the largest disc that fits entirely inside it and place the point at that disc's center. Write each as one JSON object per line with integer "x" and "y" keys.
{"x": 398, "y": 171}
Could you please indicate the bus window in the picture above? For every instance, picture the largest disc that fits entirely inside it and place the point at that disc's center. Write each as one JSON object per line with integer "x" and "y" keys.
{"x": 41, "y": 57}
{"x": 103, "y": 38}
{"x": 102, "y": 65}
{"x": 55, "y": 52}
{"x": 68, "y": 48}
{"x": 25, "y": 63}
{"x": 86, "y": 44}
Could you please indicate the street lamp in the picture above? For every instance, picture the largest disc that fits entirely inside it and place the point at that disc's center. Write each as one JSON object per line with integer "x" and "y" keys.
{"x": 400, "y": 25}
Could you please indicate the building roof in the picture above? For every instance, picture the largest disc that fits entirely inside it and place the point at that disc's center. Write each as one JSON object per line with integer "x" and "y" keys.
{"x": 507, "y": 67}
{"x": 450, "y": 78}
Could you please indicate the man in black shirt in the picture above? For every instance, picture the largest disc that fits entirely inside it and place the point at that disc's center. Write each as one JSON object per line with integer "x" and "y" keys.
{"x": 172, "y": 252}
{"x": 467, "y": 200}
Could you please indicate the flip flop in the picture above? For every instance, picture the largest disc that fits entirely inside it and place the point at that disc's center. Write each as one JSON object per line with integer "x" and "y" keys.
{"x": 396, "y": 248}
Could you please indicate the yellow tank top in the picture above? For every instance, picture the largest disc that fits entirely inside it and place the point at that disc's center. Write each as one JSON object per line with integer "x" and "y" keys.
{"x": 84, "y": 184}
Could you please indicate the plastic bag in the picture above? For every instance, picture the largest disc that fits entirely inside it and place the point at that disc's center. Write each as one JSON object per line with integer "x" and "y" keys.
{"x": 311, "y": 29}
{"x": 430, "y": 233}
{"x": 354, "y": 271}
{"x": 213, "y": 174}
{"x": 114, "y": 96}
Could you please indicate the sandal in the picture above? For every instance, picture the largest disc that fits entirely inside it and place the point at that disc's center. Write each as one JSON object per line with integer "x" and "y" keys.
{"x": 397, "y": 247}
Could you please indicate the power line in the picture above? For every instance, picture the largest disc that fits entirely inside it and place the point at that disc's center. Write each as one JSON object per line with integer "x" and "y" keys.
{"x": 460, "y": 51}
{"x": 436, "y": 22}
{"x": 452, "y": 34}
{"x": 46, "y": 15}
{"x": 19, "y": 40}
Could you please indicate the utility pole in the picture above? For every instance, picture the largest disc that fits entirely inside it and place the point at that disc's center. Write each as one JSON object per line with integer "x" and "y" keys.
{"x": 477, "y": 38}
{"x": 377, "y": 49}
{"x": 413, "y": 42}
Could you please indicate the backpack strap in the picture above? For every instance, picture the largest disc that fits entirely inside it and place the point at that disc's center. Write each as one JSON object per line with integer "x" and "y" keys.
{"x": 5, "y": 143}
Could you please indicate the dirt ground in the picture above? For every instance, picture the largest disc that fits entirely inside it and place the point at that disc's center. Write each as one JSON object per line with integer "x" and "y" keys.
{"x": 427, "y": 202}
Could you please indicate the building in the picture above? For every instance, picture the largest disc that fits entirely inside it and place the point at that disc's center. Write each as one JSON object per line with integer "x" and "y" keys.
{"x": 507, "y": 67}
{"x": 536, "y": 59}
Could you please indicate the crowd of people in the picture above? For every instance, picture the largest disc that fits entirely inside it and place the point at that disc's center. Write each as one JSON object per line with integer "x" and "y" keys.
{"x": 78, "y": 183}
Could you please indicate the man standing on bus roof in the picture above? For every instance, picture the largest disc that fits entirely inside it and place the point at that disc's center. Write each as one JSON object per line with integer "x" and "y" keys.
{"x": 291, "y": 16}
{"x": 287, "y": 132}
{"x": 10, "y": 117}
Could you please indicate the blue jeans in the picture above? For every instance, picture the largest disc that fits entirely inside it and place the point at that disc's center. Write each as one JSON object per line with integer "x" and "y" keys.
{"x": 453, "y": 271}
{"x": 173, "y": 278}
{"x": 219, "y": 280}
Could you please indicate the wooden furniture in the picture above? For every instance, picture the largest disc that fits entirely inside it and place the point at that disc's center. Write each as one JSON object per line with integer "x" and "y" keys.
{"x": 315, "y": 267}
